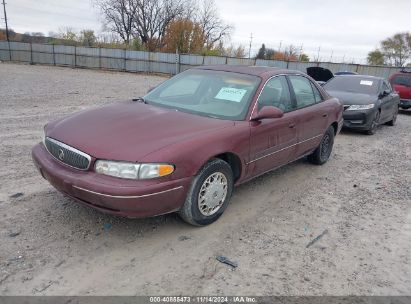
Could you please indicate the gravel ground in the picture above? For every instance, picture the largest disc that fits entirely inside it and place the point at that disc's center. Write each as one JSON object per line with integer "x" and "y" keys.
{"x": 359, "y": 202}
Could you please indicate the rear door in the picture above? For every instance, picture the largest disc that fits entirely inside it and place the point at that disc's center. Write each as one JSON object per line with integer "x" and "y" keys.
{"x": 273, "y": 141}
{"x": 311, "y": 114}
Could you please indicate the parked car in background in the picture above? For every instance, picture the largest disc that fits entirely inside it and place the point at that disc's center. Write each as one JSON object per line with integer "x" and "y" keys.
{"x": 401, "y": 82}
{"x": 345, "y": 73}
{"x": 189, "y": 141}
{"x": 368, "y": 101}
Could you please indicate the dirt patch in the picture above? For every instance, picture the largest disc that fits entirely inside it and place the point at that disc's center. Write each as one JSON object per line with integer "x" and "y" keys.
{"x": 273, "y": 229}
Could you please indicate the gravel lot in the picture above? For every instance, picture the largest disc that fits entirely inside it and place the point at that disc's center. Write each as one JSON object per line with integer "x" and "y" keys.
{"x": 52, "y": 246}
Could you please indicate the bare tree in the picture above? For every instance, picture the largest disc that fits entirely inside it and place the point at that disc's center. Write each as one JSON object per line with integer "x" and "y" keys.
{"x": 214, "y": 29}
{"x": 153, "y": 17}
{"x": 119, "y": 16}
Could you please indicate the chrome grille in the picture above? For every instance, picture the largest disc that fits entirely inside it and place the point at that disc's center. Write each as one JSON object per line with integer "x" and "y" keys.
{"x": 67, "y": 155}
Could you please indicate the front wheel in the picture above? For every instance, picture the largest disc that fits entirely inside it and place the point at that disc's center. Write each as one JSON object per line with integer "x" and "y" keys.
{"x": 374, "y": 124}
{"x": 394, "y": 118}
{"x": 321, "y": 155}
{"x": 209, "y": 194}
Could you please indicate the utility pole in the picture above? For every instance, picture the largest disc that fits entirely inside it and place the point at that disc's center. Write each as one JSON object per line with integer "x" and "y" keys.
{"x": 249, "y": 49}
{"x": 301, "y": 52}
{"x": 318, "y": 54}
{"x": 331, "y": 57}
{"x": 5, "y": 20}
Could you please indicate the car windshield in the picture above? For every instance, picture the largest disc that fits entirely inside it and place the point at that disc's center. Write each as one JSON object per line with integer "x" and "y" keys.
{"x": 356, "y": 84}
{"x": 217, "y": 94}
{"x": 404, "y": 80}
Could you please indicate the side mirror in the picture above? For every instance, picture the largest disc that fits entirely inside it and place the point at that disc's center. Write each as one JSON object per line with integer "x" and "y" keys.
{"x": 268, "y": 112}
{"x": 385, "y": 93}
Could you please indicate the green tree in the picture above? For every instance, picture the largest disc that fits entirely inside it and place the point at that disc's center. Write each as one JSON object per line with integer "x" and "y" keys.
{"x": 397, "y": 49}
{"x": 87, "y": 38}
{"x": 376, "y": 57}
{"x": 261, "y": 52}
{"x": 304, "y": 58}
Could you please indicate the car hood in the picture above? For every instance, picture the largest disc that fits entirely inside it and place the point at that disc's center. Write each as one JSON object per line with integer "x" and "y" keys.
{"x": 129, "y": 131}
{"x": 349, "y": 98}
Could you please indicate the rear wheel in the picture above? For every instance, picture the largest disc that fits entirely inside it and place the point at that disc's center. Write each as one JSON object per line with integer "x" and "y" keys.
{"x": 209, "y": 194}
{"x": 321, "y": 155}
{"x": 394, "y": 118}
{"x": 374, "y": 124}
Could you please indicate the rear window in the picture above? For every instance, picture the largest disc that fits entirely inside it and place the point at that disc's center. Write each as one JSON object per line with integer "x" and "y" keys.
{"x": 404, "y": 80}
{"x": 355, "y": 84}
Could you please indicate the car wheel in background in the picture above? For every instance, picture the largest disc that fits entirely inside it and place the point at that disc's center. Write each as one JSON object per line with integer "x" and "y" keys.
{"x": 209, "y": 194}
{"x": 374, "y": 124}
{"x": 321, "y": 155}
{"x": 394, "y": 118}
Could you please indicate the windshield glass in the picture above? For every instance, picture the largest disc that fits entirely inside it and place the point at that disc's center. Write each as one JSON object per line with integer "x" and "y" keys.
{"x": 404, "y": 80}
{"x": 356, "y": 84}
{"x": 217, "y": 94}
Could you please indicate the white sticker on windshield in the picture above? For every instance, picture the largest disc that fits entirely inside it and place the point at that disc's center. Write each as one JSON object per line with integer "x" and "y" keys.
{"x": 366, "y": 82}
{"x": 231, "y": 94}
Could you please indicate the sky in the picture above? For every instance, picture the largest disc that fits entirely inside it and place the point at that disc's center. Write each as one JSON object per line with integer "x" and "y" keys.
{"x": 334, "y": 30}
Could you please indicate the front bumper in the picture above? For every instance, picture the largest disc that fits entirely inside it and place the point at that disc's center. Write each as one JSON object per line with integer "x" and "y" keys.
{"x": 359, "y": 120}
{"x": 405, "y": 103}
{"x": 112, "y": 195}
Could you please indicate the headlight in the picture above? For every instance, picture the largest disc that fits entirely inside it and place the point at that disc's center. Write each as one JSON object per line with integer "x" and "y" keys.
{"x": 361, "y": 107}
{"x": 132, "y": 170}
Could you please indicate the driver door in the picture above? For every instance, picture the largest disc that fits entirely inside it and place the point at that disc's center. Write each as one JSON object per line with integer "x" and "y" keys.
{"x": 273, "y": 141}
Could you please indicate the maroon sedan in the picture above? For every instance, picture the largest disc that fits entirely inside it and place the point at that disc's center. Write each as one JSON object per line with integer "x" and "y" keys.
{"x": 186, "y": 144}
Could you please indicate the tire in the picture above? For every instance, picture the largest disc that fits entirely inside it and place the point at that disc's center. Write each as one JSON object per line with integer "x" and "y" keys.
{"x": 393, "y": 121}
{"x": 375, "y": 123}
{"x": 321, "y": 155}
{"x": 207, "y": 190}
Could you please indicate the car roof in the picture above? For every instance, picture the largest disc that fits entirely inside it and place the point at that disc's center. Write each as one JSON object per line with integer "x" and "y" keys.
{"x": 262, "y": 71}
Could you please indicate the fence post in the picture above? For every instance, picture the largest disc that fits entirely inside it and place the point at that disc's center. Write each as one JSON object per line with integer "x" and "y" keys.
{"x": 99, "y": 57}
{"x": 31, "y": 53}
{"x": 226, "y": 59}
{"x": 54, "y": 56}
{"x": 125, "y": 60}
{"x": 75, "y": 56}
{"x": 177, "y": 62}
{"x": 8, "y": 43}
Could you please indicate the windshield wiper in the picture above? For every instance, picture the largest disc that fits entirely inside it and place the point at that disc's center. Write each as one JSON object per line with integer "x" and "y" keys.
{"x": 140, "y": 99}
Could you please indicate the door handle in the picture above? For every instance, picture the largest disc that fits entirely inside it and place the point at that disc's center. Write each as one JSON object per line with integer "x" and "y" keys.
{"x": 291, "y": 126}
{"x": 325, "y": 115}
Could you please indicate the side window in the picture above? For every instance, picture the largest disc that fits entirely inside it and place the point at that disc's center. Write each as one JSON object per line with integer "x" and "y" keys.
{"x": 386, "y": 86}
{"x": 317, "y": 94}
{"x": 303, "y": 91}
{"x": 276, "y": 93}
